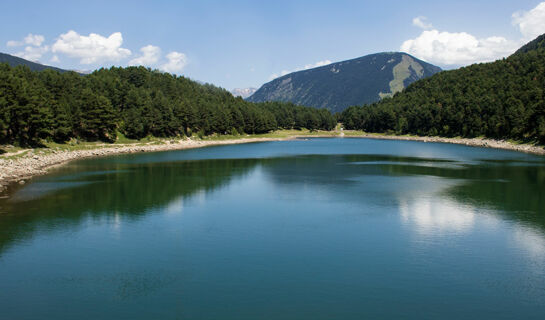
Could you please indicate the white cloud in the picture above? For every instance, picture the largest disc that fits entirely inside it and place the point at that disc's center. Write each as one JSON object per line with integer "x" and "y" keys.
{"x": 531, "y": 23}
{"x": 13, "y": 43}
{"x": 278, "y": 75}
{"x": 306, "y": 67}
{"x": 95, "y": 49}
{"x": 33, "y": 50}
{"x": 32, "y": 53}
{"x": 317, "y": 64}
{"x": 458, "y": 48}
{"x": 176, "y": 62}
{"x": 462, "y": 48}
{"x": 422, "y": 23}
{"x": 31, "y": 39}
{"x": 92, "y": 48}
{"x": 150, "y": 56}
{"x": 34, "y": 39}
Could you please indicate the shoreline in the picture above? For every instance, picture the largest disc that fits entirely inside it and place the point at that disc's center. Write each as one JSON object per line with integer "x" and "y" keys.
{"x": 471, "y": 142}
{"x": 35, "y": 162}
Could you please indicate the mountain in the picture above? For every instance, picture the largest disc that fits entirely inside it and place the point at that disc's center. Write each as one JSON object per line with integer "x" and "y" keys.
{"x": 347, "y": 83}
{"x": 535, "y": 44}
{"x": 501, "y": 100}
{"x": 244, "y": 93}
{"x": 16, "y": 61}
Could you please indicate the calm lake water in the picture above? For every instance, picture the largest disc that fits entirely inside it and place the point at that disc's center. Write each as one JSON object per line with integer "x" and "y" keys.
{"x": 306, "y": 229}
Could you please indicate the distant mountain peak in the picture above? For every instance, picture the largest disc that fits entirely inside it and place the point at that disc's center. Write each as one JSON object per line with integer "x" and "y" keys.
{"x": 243, "y": 92}
{"x": 352, "y": 82}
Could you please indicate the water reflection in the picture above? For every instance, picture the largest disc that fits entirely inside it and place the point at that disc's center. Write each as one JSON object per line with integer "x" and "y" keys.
{"x": 435, "y": 195}
{"x": 531, "y": 241}
{"x": 349, "y": 232}
{"x": 176, "y": 206}
{"x": 432, "y": 217}
{"x": 117, "y": 191}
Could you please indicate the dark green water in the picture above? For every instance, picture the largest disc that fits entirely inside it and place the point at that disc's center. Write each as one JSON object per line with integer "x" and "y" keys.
{"x": 316, "y": 229}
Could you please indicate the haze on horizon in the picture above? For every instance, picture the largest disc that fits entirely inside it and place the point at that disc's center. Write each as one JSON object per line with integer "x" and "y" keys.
{"x": 247, "y": 43}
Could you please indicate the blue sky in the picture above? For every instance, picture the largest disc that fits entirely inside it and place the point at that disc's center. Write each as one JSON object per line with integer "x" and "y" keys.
{"x": 246, "y": 43}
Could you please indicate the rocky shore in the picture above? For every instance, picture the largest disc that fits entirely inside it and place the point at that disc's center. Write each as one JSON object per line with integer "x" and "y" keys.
{"x": 36, "y": 162}
{"x": 473, "y": 142}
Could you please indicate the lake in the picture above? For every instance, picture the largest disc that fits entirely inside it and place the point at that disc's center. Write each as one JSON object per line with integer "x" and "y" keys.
{"x": 304, "y": 229}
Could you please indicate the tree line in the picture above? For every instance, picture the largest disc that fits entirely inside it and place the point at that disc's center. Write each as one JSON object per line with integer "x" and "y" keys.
{"x": 501, "y": 100}
{"x": 134, "y": 101}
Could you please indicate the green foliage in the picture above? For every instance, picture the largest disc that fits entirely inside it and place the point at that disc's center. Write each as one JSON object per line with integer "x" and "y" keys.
{"x": 134, "y": 101}
{"x": 501, "y": 100}
{"x": 537, "y": 43}
{"x": 98, "y": 117}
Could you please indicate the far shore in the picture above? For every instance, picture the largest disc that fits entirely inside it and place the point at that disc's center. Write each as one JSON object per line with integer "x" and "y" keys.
{"x": 21, "y": 165}
{"x": 473, "y": 142}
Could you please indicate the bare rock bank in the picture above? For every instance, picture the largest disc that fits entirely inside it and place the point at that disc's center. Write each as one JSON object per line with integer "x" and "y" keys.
{"x": 473, "y": 142}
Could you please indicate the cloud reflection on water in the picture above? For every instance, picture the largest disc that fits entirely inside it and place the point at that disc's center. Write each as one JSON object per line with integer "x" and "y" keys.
{"x": 437, "y": 216}
{"x": 530, "y": 240}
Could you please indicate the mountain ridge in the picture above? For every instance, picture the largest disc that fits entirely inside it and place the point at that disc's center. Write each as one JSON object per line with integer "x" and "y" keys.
{"x": 14, "y": 61}
{"x": 339, "y": 85}
{"x": 533, "y": 45}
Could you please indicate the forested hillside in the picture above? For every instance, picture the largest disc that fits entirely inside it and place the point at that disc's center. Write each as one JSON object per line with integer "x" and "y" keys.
{"x": 503, "y": 99}
{"x": 134, "y": 101}
{"x": 535, "y": 44}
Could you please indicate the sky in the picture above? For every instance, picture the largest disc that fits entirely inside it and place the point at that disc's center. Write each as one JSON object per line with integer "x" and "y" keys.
{"x": 240, "y": 44}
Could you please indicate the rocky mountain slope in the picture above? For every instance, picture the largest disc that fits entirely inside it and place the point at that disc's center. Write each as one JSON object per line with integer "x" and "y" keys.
{"x": 347, "y": 83}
